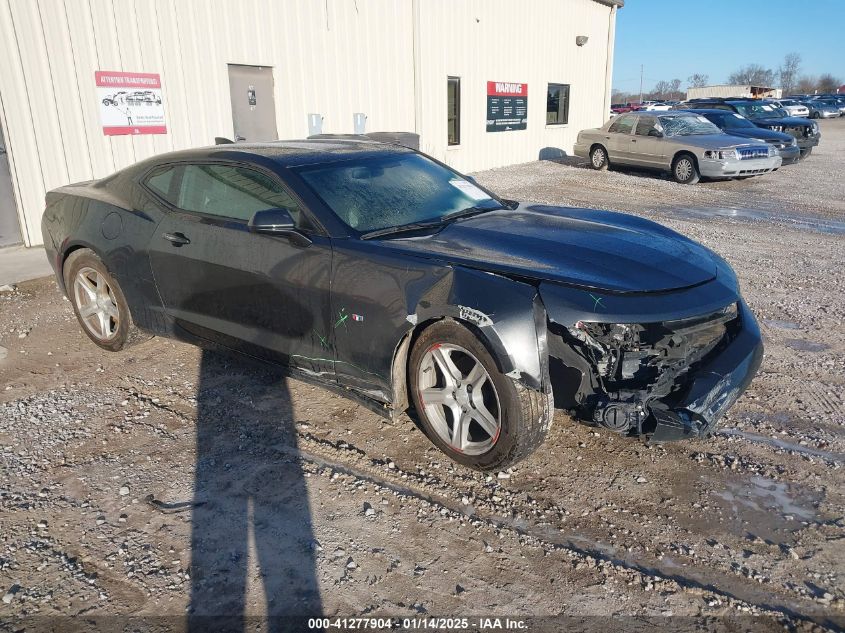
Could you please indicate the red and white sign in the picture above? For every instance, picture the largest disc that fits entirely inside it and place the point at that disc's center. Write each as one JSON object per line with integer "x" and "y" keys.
{"x": 130, "y": 103}
{"x": 506, "y": 89}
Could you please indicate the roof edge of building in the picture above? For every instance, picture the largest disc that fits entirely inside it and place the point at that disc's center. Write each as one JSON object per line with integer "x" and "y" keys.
{"x": 611, "y": 3}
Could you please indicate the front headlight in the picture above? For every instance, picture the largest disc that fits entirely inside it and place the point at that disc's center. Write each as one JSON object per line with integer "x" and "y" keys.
{"x": 721, "y": 154}
{"x": 773, "y": 151}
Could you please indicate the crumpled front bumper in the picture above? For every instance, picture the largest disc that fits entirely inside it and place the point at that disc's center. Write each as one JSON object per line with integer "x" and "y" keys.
{"x": 714, "y": 387}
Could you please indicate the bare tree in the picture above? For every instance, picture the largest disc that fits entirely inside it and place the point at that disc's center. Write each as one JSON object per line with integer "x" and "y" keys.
{"x": 667, "y": 90}
{"x": 828, "y": 83}
{"x": 698, "y": 80}
{"x": 788, "y": 72}
{"x": 807, "y": 84}
{"x": 753, "y": 75}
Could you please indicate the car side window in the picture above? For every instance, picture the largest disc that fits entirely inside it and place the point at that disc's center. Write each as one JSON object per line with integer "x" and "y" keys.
{"x": 622, "y": 125}
{"x": 163, "y": 182}
{"x": 234, "y": 192}
{"x": 646, "y": 126}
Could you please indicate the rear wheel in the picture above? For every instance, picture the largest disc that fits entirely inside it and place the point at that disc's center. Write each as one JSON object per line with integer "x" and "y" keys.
{"x": 598, "y": 158}
{"x": 470, "y": 410}
{"x": 685, "y": 171}
{"x": 98, "y": 302}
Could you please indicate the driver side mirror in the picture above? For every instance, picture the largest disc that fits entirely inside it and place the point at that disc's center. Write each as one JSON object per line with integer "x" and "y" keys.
{"x": 655, "y": 132}
{"x": 277, "y": 222}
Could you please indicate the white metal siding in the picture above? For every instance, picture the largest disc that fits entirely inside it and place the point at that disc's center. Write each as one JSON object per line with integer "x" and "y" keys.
{"x": 334, "y": 58}
{"x": 498, "y": 40}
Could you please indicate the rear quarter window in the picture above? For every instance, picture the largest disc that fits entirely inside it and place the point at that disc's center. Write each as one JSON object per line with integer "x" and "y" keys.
{"x": 162, "y": 182}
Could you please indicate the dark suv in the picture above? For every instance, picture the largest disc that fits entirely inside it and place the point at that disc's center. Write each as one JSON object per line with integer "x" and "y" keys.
{"x": 763, "y": 115}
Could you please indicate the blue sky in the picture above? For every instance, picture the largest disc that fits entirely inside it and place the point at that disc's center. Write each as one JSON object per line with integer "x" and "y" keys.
{"x": 676, "y": 38}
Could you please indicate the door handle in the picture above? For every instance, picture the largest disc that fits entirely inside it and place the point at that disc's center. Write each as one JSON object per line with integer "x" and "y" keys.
{"x": 633, "y": 140}
{"x": 177, "y": 239}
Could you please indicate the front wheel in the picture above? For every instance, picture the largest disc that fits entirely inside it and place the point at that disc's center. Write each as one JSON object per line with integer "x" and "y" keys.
{"x": 805, "y": 153}
{"x": 685, "y": 171}
{"x": 470, "y": 410}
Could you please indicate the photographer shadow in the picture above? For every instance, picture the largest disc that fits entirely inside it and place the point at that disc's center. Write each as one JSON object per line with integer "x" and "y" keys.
{"x": 251, "y": 503}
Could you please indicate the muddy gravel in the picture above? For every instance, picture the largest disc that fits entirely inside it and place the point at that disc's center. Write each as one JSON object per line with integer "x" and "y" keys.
{"x": 167, "y": 480}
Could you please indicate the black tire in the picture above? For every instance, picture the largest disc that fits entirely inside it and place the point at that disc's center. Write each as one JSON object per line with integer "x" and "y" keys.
{"x": 685, "y": 170}
{"x": 805, "y": 153}
{"x": 125, "y": 332}
{"x": 599, "y": 160}
{"x": 525, "y": 414}
{"x": 814, "y": 115}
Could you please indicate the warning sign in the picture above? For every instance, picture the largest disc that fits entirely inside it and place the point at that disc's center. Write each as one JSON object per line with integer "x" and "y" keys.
{"x": 507, "y": 106}
{"x": 130, "y": 103}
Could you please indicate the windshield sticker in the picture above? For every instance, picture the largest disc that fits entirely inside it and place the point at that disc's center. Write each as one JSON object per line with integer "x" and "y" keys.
{"x": 703, "y": 119}
{"x": 469, "y": 189}
{"x": 738, "y": 116}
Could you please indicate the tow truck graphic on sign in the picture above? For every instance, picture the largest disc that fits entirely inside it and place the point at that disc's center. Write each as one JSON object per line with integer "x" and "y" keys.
{"x": 130, "y": 103}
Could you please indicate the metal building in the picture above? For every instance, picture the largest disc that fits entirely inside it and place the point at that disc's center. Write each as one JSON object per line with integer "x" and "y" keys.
{"x": 733, "y": 90}
{"x": 90, "y": 86}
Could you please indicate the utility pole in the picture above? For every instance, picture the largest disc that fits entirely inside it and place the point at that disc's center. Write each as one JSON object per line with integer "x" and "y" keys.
{"x": 641, "y": 84}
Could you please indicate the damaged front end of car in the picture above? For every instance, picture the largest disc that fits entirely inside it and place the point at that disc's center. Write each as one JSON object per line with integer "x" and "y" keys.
{"x": 667, "y": 375}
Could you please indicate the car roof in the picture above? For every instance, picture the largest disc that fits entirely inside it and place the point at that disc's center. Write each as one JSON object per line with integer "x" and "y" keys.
{"x": 292, "y": 153}
{"x": 656, "y": 113}
{"x": 705, "y": 111}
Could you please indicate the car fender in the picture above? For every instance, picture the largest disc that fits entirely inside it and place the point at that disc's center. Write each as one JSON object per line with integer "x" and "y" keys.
{"x": 508, "y": 315}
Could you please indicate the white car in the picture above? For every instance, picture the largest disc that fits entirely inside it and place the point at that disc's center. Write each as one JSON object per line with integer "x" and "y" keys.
{"x": 793, "y": 107}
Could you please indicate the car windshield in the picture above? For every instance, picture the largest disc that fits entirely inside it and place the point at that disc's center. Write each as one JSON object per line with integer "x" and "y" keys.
{"x": 756, "y": 110}
{"x": 687, "y": 125}
{"x": 731, "y": 121}
{"x": 374, "y": 193}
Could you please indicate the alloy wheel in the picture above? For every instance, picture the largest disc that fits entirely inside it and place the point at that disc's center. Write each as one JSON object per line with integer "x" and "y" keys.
{"x": 96, "y": 304}
{"x": 683, "y": 170}
{"x": 459, "y": 398}
{"x": 598, "y": 158}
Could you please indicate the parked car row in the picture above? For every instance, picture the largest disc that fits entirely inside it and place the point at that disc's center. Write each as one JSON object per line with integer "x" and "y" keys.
{"x": 764, "y": 115}
{"x": 711, "y": 138}
{"x": 658, "y": 105}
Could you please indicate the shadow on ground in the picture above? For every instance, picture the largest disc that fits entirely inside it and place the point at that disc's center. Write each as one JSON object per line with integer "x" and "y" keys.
{"x": 251, "y": 504}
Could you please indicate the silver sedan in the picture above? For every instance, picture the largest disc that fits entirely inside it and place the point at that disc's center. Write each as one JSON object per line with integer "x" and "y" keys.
{"x": 684, "y": 144}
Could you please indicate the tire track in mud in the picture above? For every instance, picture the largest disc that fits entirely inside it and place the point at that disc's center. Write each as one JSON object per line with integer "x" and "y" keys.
{"x": 334, "y": 455}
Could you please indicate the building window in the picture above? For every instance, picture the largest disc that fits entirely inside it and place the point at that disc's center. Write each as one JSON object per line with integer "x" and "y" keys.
{"x": 557, "y": 104}
{"x": 453, "y": 110}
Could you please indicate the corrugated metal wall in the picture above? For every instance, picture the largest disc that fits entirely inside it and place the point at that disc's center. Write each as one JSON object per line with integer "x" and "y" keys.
{"x": 333, "y": 57}
{"x": 531, "y": 42}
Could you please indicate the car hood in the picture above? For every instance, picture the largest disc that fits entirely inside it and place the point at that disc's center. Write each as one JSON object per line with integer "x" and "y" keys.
{"x": 762, "y": 133}
{"x": 791, "y": 121}
{"x": 582, "y": 247}
{"x": 710, "y": 141}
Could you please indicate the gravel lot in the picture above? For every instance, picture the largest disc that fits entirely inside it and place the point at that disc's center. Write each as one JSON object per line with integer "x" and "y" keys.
{"x": 144, "y": 482}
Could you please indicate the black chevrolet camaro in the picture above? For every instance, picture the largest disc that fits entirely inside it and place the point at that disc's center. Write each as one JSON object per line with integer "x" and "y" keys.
{"x": 389, "y": 277}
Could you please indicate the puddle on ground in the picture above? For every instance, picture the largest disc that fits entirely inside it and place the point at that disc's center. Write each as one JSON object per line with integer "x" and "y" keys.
{"x": 749, "y": 505}
{"x": 781, "y": 325}
{"x": 805, "y": 346}
{"x": 820, "y": 225}
{"x": 787, "y": 446}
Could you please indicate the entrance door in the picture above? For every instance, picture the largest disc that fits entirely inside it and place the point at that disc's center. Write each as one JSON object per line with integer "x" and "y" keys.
{"x": 10, "y": 232}
{"x": 253, "y": 104}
